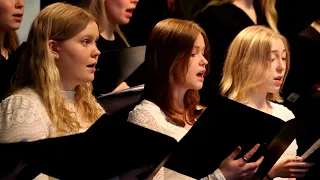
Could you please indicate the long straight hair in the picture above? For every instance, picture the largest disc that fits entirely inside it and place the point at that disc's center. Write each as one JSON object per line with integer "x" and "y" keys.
{"x": 38, "y": 70}
{"x": 268, "y": 7}
{"x": 167, "y": 58}
{"x": 246, "y": 65}
{"x": 10, "y": 41}
{"x": 98, "y": 10}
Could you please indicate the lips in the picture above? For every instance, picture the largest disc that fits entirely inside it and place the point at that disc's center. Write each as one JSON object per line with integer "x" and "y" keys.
{"x": 18, "y": 16}
{"x": 93, "y": 65}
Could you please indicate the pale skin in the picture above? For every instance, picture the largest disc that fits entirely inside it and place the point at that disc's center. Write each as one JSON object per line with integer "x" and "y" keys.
{"x": 11, "y": 13}
{"x": 230, "y": 167}
{"x": 288, "y": 167}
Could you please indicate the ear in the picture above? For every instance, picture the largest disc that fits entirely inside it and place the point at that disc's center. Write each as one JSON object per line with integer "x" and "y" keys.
{"x": 53, "y": 45}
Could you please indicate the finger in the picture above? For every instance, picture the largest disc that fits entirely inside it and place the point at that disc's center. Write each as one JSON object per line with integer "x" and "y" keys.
{"x": 294, "y": 175}
{"x": 249, "y": 154}
{"x": 259, "y": 161}
{"x": 19, "y": 167}
{"x": 251, "y": 167}
{"x": 235, "y": 153}
{"x": 299, "y": 171}
{"x": 298, "y": 165}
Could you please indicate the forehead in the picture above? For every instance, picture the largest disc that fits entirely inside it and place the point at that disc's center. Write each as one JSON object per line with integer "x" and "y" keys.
{"x": 91, "y": 29}
{"x": 199, "y": 41}
{"x": 278, "y": 45}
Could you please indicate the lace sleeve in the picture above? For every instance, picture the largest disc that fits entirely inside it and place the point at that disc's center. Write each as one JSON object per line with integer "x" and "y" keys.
{"x": 216, "y": 175}
{"x": 144, "y": 118}
{"x": 22, "y": 119}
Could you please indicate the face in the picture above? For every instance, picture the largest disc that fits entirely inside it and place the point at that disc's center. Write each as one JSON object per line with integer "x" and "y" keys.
{"x": 196, "y": 70}
{"x": 277, "y": 67}
{"x": 78, "y": 57}
{"x": 120, "y": 11}
{"x": 11, "y": 13}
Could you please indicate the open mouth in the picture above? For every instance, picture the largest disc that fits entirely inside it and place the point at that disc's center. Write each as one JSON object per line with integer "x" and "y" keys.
{"x": 279, "y": 78}
{"x": 17, "y": 15}
{"x": 92, "y": 65}
{"x": 129, "y": 10}
{"x": 201, "y": 73}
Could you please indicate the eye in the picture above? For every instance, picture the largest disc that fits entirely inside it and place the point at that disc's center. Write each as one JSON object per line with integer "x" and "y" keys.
{"x": 85, "y": 42}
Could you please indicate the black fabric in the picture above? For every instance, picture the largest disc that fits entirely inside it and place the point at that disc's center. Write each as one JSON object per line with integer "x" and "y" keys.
{"x": 221, "y": 24}
{"x": 8, "y": 69}
{"x": 108, "y": 148}
{"x": 119, "y": 65}
{"x": 224, "y": 125}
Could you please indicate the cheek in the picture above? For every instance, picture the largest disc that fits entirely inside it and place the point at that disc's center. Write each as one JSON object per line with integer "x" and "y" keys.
{"x": 3, "y": 11}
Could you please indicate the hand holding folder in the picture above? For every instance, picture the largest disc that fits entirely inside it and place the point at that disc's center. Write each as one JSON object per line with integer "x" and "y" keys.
{"x": 224, "y": 125}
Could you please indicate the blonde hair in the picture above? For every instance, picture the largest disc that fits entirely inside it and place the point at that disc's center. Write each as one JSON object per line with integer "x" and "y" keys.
{"x": 98, "y": 10}
{"x": 267, "y": 7}
{"x": 167, "y": 58}
{"x": 38, "y": 70}
{"x": 246, "y": 65}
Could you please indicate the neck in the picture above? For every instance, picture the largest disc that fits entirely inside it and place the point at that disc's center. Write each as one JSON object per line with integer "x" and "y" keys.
{"x": 244, "y": 3}
{"x": 178, "y": 94}
{"x": 67, "y": 87}
{"x": 107, "y": 31}
{"x": 258, "y": 100}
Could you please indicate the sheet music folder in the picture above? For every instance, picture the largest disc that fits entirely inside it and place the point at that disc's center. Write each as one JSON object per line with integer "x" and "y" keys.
{"x": 223, "y": 126}
{"x": 115, "y": 66}
{"x": 117, "y": 101}
{"x": 106, "y": 149}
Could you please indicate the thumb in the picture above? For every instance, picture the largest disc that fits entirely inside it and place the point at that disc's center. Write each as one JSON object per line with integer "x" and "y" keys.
{"x": 235, "y": 153}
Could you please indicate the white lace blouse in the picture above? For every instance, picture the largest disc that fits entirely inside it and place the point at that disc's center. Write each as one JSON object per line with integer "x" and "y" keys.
{"x": 150, "y": 116}
{"x": 23, "y": 117}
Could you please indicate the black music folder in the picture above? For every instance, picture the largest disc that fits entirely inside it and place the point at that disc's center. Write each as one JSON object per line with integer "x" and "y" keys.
{"x": 116, "y": 66}
{"x": 223, "y": 126}
{"x": 125, "y": 99}
{"x": 108, "y": 148}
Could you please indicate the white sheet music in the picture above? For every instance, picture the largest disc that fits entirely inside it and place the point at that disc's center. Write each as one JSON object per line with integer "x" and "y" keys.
{"x": 131, "y": 89}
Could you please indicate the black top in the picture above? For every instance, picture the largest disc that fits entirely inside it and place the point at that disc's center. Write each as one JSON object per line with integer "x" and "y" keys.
{"x": 221, "y": 24}
{"x": 102, "y": 83}
{"x": 8, "y": 69}
{"x": 107, "y": 45}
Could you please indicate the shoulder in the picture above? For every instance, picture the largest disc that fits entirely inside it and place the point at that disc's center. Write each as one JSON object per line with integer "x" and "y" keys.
{"x": 22, "y": 115}
{"x": 146, "y": 108}
{"x": 24, "y": 106}
{"x": 281, "y": 111}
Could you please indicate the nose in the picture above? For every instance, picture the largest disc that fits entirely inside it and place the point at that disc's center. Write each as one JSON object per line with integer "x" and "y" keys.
{"x": 19, "y": 4}
{"x": 203, "y": 61}
{"x": 281, "y": 65}
{"x": 96, "y": 53}
{"x": 135, "y": 1}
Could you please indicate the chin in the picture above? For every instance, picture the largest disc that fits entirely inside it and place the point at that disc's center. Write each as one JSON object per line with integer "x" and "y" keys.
{"x": 124, "y": 21}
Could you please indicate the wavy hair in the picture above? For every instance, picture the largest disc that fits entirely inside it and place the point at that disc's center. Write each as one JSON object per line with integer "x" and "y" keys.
{"x": 38, "y": 70}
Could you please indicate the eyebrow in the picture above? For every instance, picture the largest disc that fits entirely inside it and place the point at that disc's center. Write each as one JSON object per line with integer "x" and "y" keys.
{"x": 199, "y": 47}
{"x": 274, "y": 51}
